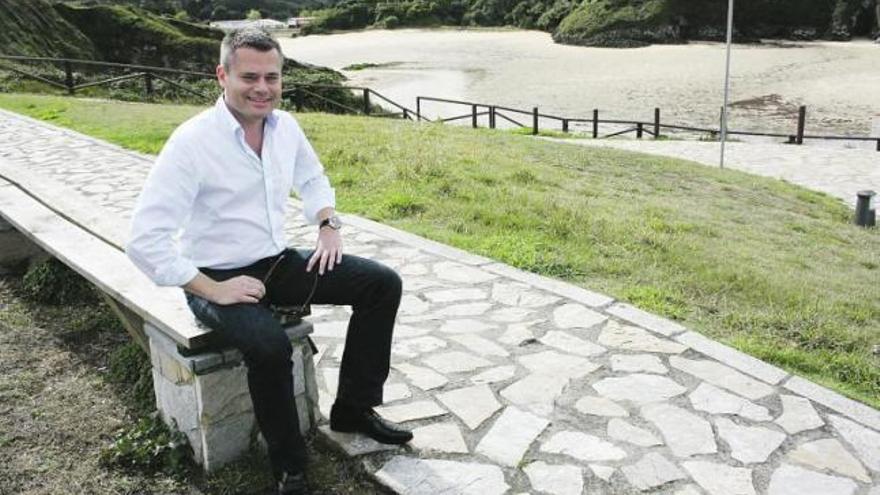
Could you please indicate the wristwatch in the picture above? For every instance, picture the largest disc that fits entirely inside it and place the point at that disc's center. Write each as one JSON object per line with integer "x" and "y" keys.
{"x": 333, "y": 221}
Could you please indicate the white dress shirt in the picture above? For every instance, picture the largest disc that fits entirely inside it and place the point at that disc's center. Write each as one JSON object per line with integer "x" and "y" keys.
{"x": 211, "y": 202}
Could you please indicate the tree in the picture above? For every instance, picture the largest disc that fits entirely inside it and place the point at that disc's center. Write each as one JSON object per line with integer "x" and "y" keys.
{"x": 253, "y": 15}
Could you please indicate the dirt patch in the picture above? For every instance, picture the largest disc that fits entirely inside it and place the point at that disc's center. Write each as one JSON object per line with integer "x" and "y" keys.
{"x": 59, "y": 409}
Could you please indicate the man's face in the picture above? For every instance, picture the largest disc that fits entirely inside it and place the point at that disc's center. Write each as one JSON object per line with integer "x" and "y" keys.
{"x": 252, "y": 83}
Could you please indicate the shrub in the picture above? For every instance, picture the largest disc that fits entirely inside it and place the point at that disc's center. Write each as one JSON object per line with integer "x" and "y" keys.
{"x": 52, "y": 282}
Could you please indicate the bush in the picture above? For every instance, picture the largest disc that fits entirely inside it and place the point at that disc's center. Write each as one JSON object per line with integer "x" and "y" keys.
{"x": 52, "y": 282}
{"x": 149, "y": 446}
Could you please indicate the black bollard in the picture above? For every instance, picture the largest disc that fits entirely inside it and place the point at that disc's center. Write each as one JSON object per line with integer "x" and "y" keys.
{"x": 866, "y": 214}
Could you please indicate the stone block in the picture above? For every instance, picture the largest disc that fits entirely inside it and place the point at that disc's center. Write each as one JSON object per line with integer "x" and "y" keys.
{"x": 206, "y": 395}
{"x": 733, "y": 358}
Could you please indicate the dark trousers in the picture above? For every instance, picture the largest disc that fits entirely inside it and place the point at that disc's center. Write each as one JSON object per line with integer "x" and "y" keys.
{"x": 371, "y": 289}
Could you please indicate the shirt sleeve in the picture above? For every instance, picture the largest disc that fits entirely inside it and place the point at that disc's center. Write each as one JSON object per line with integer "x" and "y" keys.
{"x": 163, "y": 206}
{"x": 309, "y": 180}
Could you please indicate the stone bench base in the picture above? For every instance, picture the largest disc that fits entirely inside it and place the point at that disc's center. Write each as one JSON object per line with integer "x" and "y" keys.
{"x": 206, "y": 396}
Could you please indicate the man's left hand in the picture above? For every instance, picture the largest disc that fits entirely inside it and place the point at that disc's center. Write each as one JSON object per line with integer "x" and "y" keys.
{"x": 328, "y": 252}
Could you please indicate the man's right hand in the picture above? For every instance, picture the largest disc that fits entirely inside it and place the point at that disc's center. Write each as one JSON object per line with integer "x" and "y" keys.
{"x": 240, "y": 289}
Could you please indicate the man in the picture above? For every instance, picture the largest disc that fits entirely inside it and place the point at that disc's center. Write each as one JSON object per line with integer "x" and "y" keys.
{"x": 223, "y": 179}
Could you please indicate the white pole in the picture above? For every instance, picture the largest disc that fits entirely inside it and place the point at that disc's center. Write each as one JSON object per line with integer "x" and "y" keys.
{"x": 726, "y": 80}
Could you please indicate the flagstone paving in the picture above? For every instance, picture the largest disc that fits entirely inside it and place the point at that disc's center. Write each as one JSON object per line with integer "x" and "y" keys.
{"x": 514, "y": 383}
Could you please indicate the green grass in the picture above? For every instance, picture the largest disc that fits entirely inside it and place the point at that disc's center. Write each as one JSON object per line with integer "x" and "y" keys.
{"x": 770, "y": 268}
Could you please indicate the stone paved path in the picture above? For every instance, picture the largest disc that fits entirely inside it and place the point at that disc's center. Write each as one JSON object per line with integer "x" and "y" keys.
{"x": 839, "y": 172}
{"x": 515, "y": 383}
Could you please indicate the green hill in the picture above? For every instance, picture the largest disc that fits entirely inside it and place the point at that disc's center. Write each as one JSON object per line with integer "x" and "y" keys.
{"x": 33, "y": 27}
{"x": 640, "y": 22}
{"x": 618, "y": 22}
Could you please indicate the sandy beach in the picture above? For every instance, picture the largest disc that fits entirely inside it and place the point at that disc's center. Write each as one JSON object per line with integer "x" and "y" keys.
{"x": 836, "y": 81}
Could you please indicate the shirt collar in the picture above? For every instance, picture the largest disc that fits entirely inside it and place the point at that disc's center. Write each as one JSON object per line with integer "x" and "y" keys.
{"x": 231, "y": 122}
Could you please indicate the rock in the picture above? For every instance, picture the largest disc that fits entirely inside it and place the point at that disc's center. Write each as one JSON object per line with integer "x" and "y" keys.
{"x": 722, "y": 376}
{"x": 392, "y": 392}
{"x": 433, "y": 476}
{"x": 720, "y": 479}
{"x": 554, "y": 363}
{"x": 631, "y": 338}
{"x": 455, "y": 362}
{"x": 536, "y": 392}
{"x": 793, "y": 480}
{"x": 472, "y": 405}
{"x": 424, "y": 378}
{"x": 599, "y": 406}
{"x": 453, "y": 295}
{"x": 355, "y": 444}
{"x": 639, "y": 388}
{"x": 494, "y": 375}
{"x": 510, "y": 436}
{"x": 467, "y": 309}
{"x": 748, "y": 444}
{"x": 602, "y": 472}
{"x": 410, "y": 348}
{"x": 576, "y": 316}
{"x": 467, "y": 326}
{"x": 619, "y": 429}
{"x": 456, "y": 272}
{"x": 410, "y": 411}
{"x": 583, "y": 447}
{"x": 520, "y": 295}
{"x": 637, "y": 362}
{"x": 558, "y": 480}
{"x": 510, "y": 315}
{"x": 798, "y": 415}
{"x": 480, "y": 345}
{"x": 651, "y": 471}
{"x": 865, "y": 442}
{"x": 830, "y": 454}
{"x": 716, "y": 401}
{"x": 412, "y": 305}
{"x": 516, "y": 335}
{"x": 439, "y": 437}
{"x": 685, "y": 433}
{"x": 568, "y": 343}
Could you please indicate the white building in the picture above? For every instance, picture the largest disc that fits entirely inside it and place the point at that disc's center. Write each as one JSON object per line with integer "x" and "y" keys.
{"x": 267, "y": 24}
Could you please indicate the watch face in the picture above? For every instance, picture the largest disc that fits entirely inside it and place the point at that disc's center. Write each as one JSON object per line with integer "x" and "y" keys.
{"x": 334, "y": 222}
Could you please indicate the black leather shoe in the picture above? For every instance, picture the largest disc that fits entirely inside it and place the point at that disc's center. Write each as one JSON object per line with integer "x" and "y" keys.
{"x": 293, "y": 484}
{"x": 350, "y": 420}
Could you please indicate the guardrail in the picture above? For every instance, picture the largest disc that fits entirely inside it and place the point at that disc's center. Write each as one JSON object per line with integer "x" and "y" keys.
{"x": 640, "y": 128}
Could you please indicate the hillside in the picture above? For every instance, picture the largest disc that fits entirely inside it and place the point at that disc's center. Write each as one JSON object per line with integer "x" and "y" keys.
{"x": 621, "y": 23}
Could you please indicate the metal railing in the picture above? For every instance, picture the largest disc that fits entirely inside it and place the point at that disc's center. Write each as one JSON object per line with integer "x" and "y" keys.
{"x": 640, "y": 128}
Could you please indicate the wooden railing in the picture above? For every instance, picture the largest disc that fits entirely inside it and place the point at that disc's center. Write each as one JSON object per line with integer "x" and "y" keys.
{"x": 295, "y": 95}
{"x": 640, "y": 128}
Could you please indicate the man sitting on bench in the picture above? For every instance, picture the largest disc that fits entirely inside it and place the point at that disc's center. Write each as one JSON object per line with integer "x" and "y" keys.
{"x": 224, "y": 178}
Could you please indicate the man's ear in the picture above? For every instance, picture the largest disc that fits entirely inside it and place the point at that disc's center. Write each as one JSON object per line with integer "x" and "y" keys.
{"x": 221, "y": 76}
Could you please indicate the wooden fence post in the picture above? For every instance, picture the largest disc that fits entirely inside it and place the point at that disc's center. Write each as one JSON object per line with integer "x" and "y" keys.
{"x": 148, "y": 84}
{"x": 656, "y": 123}
{"x": 474, "y": 116}
{"x": 802, "y": 117}
{"x": 405, "y": 114}
{"x": 564, "y": 125}
{"x": 68, "y": 77}
{"x": 639, "y": 130}
{"x": 595, "y": 123}
{"x": 491, "y": 117}
{"x": 366, "y": 101}
{"x": 297, "y": 99}
{"x": 419, "y": 108}
{"x": 535, "y": 121}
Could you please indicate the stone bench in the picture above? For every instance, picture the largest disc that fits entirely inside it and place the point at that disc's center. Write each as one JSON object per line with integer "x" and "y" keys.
{"x": 200, "y": 389}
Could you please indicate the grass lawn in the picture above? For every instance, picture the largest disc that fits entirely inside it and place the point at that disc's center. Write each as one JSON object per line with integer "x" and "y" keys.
{"x": 773, "y": 269}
